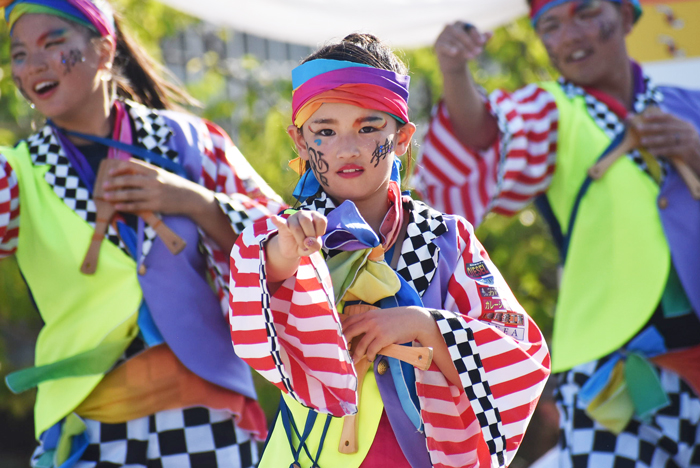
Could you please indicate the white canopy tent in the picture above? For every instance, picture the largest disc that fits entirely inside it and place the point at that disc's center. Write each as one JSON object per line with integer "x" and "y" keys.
{"x": 400, "y": 23}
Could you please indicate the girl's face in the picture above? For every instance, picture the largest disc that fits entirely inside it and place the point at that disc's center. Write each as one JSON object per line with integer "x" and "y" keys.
{"x": 56, "y": 66}
{"x": 585, "y": 39}
{"x": 351, "y": 150}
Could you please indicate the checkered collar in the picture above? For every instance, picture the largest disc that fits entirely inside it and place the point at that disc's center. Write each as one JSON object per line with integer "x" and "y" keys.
{"x": 419, "y": 254}
{"x": 152, "y": 133}
{"x": 601, "y": 114}
{"x": 609, "y": 122}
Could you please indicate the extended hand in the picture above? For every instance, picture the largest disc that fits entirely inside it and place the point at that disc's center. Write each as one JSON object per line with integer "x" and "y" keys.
{"x": 457, "y": 44}
{"x": 138, "y": 186}
{"x": 300, "y": 234}
{"x": 382, "y": 327}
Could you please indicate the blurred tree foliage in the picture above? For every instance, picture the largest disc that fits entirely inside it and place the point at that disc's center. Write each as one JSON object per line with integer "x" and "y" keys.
{"x": 520, "y": 246}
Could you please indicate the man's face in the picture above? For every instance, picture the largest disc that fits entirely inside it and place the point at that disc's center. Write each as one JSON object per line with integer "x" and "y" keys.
{"x": 585, "y": 39}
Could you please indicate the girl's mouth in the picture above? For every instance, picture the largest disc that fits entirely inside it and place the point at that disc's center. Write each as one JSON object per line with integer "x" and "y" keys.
{"x": 349, "y": 172}
{"x": 44, "y": 89}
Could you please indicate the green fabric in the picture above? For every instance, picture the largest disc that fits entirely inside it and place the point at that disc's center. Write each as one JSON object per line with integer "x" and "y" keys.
{"x": 80, "y": 312}
{"x": 644, "y": 386}
{"x": 278, "y": 453}
{"x": 72, "y": 426}
{"x": 359, "y": 278}
{"x": 92, "y": 362}
{"x": 674, "y": 301}
{"x": 613, "y": 407}
{"x": 618, "y": 259}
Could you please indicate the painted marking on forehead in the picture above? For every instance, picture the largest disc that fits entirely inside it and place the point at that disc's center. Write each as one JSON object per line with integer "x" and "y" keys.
{"x": 370, "y": 119}
{"x": 53, "y": 34}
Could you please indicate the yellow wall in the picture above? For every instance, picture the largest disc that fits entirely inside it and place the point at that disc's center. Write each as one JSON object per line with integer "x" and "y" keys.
{"x": 655, "y": 31}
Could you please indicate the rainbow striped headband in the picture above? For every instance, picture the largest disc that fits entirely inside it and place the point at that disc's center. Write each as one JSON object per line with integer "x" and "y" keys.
{"x": 325, "y": 80}
{"x": 539, "y": 7}
{"x": 96, "y": 15}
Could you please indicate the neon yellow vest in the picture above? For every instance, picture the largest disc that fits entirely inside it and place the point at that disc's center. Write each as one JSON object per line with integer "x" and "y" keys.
{"x": 618, "y": 260}
{"x": 80, "y": 311}
{"x": 278, "y": 453}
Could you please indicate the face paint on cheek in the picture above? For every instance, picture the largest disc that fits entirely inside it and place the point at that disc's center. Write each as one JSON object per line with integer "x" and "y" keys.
{"x": 381, "y": 152}
{"x": 318, "y": 142}
{"x": 318, "y": 165}
{"x": 69, "y": 60}
{"x": 606, "y": 30}
{"x": 20, "y": 87}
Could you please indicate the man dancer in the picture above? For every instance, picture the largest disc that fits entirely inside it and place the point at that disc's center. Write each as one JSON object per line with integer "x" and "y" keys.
{"x": 626, "y": 333}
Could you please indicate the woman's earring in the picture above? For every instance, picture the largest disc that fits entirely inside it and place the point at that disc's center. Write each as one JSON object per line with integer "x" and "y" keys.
{"x": 107, "y": 75}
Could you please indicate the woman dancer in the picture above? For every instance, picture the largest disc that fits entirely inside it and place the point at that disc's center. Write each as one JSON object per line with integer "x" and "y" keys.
{"x": 133, "y": 364}
{"x": 392, "y": 271}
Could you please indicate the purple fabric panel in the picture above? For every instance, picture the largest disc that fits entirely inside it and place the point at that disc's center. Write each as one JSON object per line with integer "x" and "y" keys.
{"x": 412, "y": 442}
{"x": 391, "y": 81}
{"x": 434, "y": 296}
{"x": 681, "y": 218}
{"x": 190, "y": 318}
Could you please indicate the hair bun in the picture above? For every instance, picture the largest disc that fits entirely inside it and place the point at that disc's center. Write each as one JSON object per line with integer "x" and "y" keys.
{"x": 361, "y": 39}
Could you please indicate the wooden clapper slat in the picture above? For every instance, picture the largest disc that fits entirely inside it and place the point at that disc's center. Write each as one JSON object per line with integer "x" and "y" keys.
{"x": 105, "y": 212}
{"x": 632, "y": 141}
{"x": 420, "y": 357}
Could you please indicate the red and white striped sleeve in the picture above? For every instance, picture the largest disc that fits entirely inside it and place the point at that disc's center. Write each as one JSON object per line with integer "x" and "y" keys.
{"x": 241, "y": 193}
{"x": 293, "y": 337}
{"x": 504, "y": 178}
{"x": 9, "y": 209}
{"x": 502, "y": 359}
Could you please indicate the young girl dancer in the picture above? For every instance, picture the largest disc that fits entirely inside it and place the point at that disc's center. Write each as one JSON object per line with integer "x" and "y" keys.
{"x": 133, "y": 365}
{"x": 360, "y": 263}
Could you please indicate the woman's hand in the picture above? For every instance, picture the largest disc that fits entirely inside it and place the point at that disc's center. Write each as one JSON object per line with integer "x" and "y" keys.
{"x": 382, "y": 327}
{"x": 664, "y": 134}
{"x": 138, "y": 186}
{"x": 133, "y": 186}
{"x": 457, "y": 44}
{"x": 297, "y": 236}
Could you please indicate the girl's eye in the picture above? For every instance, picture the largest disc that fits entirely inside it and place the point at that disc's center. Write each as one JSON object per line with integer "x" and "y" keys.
{"x": 54, "y": 43}
{"x": 325, "y": 132}
{"x": 368, "y": 129}
{"x": 18, "y": 57}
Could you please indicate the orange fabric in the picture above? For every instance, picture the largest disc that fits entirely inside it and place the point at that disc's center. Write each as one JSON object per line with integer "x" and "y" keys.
{"x": 685, "y": 363}
{"x": 156, "y": 380}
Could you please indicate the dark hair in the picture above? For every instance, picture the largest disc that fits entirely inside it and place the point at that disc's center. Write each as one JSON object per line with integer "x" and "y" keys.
{"x": 140, "y": 78}
{"x": 368, "y": 50}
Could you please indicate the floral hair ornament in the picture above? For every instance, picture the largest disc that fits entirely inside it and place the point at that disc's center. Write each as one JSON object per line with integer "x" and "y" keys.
{"x": 96, "y": 15}
{"x": 324, "y": 80}
{"x": 539, "y": 7}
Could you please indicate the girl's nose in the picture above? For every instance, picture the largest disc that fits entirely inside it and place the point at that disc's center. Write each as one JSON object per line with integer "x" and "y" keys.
{"x": 37, "y": 63}
{"x": 348, "y": 147}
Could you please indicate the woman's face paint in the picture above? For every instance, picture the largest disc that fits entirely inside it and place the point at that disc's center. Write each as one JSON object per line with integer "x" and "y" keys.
{"x": 358, "y": 151}
{"x": 585, "y": 39}
{"x": 55, "y": 66}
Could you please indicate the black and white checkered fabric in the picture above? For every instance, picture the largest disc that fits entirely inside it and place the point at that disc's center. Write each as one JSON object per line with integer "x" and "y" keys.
{"x": 459, "y": 338}
{"x": 609, "y": 122}
{"x": 419, "y": 255}
{"x": 152, "y": 133}
{"x": 235, "y": 211}
{"x": 189, "y": 438}
{"x": 669, "y": 439}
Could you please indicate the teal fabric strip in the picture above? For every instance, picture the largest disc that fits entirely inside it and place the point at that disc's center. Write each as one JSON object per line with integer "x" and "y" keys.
{"x": 674, "y": 301}
{"x": 644, "y": 386}
{"x": 93, "y": 362}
